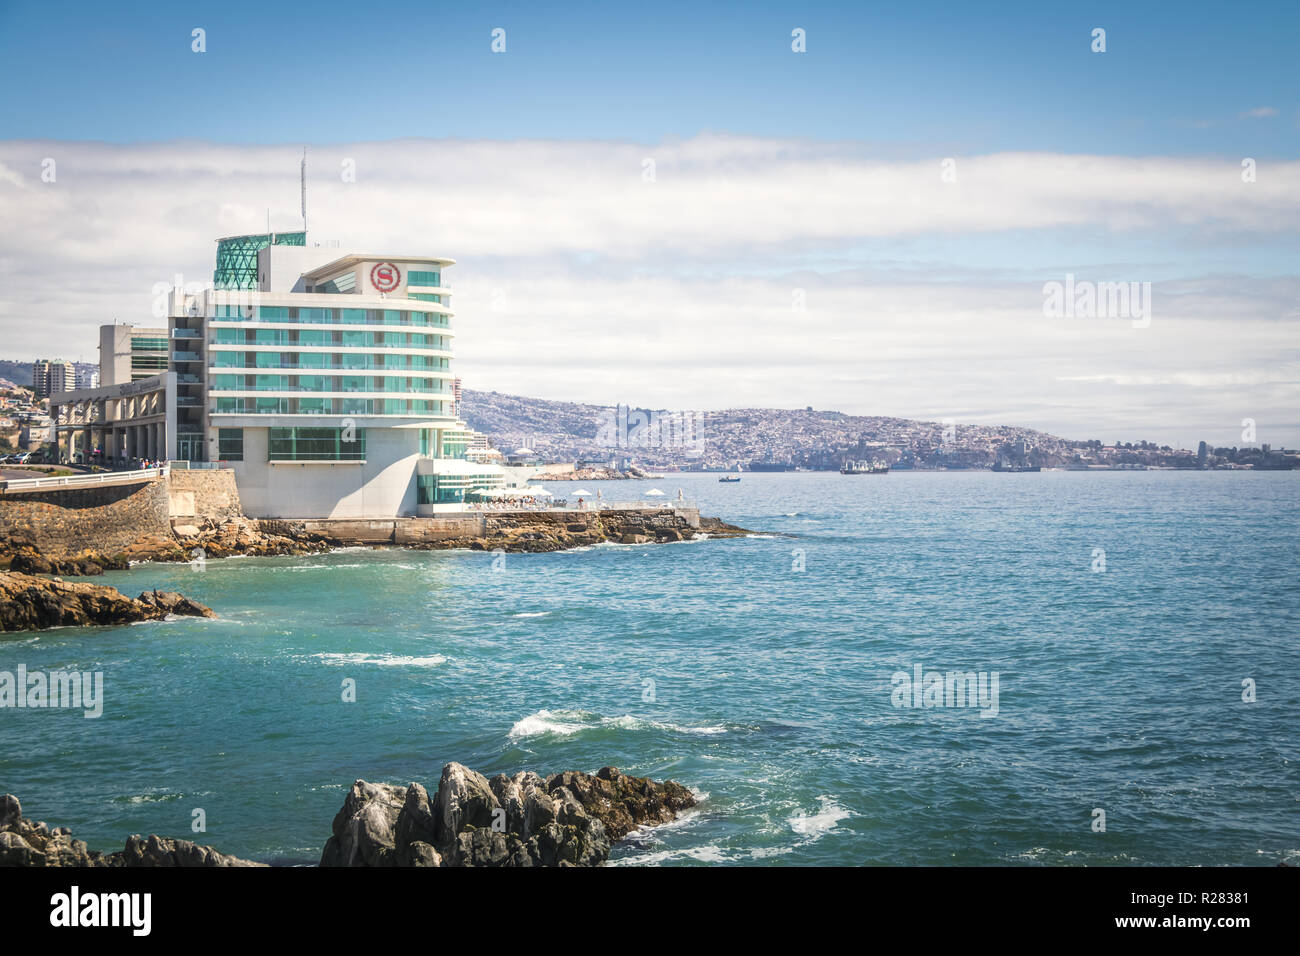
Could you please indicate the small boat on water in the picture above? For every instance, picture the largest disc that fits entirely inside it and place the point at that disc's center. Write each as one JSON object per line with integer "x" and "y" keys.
{"x": 728, "y": 479}
{"x": 875, "y": 467}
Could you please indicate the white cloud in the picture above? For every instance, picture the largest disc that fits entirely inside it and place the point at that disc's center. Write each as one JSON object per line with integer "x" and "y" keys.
{"x": 1259, "y": 112}
{"x": 578, "y": 279}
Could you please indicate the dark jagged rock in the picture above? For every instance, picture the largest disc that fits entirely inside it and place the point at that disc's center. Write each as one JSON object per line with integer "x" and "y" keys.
{"x": 24, "y": 843}
{"x": 29, "y": 602}
{"x": 170, "y": 602}
{"x": 567, "y": 819}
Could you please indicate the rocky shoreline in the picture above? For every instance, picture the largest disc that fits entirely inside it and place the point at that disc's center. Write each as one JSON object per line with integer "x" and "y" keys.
{"x": 516, "y": 532}
{"x": 27, "y": 843}
{"x": 564, "y": 820}
{"x": 29, "y": 602}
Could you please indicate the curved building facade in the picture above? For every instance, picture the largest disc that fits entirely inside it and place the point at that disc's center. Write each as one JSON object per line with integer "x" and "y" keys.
{"x": 329, "y": 388}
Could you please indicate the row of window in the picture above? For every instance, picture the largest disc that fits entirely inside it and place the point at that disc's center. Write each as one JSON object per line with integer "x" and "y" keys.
{"x": 302, "y": 316}
{"x": 332, "y": 361}
{"x": 447, "y": 489}
{"x": 328, "y": 406}
{"x": 298, "y": 444}
{"x": 415, "y": 277}
{"x": 327, "y": 383}
{"x": 321, "y": 337}
{"x": 316, "y": 444}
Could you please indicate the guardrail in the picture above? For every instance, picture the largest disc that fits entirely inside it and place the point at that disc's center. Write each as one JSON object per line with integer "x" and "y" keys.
{"x": 588, "y": 504}
{"x": 83, "y": 481}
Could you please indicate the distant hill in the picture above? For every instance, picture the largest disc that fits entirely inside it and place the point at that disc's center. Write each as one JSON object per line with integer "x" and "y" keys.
{"x": 721, "y": 439}
{"x": 20, "y": 373}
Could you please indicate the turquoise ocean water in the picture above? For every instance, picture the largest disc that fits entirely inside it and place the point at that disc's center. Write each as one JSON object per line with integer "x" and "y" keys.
{"x": 765, "y": 688}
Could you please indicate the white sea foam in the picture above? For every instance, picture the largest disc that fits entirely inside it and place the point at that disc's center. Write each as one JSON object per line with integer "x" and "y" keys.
{"x": 531, "y": 614}
{"x": 817, "y": 825}
{"x": 708, "y": 853}
{"x": 565, "y": 723}
{"x": 382, "y": 660}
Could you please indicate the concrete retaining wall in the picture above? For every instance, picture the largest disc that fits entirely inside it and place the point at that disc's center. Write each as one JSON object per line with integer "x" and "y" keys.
{"x": 207, "y": 493}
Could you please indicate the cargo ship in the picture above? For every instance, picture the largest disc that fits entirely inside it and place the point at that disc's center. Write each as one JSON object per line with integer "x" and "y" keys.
{"x": 852, "y": 467}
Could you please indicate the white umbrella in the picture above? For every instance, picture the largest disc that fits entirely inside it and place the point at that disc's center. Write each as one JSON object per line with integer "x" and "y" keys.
{"x": 540, "y": 492}
{"x": 654, "y": 492}
{"x": 580, "y": 491}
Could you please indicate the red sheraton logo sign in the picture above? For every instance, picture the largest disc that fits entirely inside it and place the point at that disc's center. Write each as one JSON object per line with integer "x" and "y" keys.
{"x": 385, "y": 276}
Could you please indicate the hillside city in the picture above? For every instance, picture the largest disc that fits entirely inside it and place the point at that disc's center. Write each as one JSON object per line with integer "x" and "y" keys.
{"x": 771, "y": 439}
{"x": 622, "y": 439}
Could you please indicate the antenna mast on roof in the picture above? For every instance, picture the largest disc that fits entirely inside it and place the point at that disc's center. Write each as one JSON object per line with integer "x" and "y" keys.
{"x": 302, "y": 176}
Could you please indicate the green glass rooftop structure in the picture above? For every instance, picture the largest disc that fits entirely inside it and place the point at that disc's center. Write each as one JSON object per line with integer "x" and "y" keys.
{"x": 237, "y": 257}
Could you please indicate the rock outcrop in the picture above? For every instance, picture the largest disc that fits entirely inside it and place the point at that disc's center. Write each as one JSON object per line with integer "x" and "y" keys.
{"x": 559, "y": 531}
{"x": 567, "y": 819}
{"x": 24, "y": 843}
{"x": 29, "y": 602}
{"x": 223, "y": 537}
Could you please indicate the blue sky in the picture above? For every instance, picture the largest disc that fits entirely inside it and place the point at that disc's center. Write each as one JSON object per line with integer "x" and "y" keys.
{"x": 959, "y": 77}
{"x": 781, "y": 177}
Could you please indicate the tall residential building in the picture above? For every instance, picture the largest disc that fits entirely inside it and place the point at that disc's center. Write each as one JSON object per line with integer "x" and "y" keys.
{"x": 87, "y": 377}
{"x": 327, "y": 385}
{"x": 129, "y": 353}
{"x": 52, "y": 376}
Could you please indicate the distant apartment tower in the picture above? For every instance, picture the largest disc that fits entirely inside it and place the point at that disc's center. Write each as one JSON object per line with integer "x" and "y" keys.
{"x": 52, "y": 376}
{"x": 128, "y": 353}
{"x": 87, "y": 377}
{"x": 455, "y": 396}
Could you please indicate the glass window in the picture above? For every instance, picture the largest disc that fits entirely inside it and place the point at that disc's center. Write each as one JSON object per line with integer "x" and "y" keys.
{"x": 316, "y": 444}
{"x": 230, "y": 444}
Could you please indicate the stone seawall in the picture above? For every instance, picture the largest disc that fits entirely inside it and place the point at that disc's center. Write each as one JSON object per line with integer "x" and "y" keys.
{"x": 361, "y": 531}
{"x": 207, "y": 493}
{"x": 68, "y": 521}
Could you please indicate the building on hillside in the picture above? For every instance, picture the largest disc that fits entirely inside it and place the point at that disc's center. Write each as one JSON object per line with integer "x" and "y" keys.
{"x": 52, "y": 376}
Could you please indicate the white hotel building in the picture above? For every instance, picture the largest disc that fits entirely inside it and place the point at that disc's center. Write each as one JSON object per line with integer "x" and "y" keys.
{"x": 324, "y": 381}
